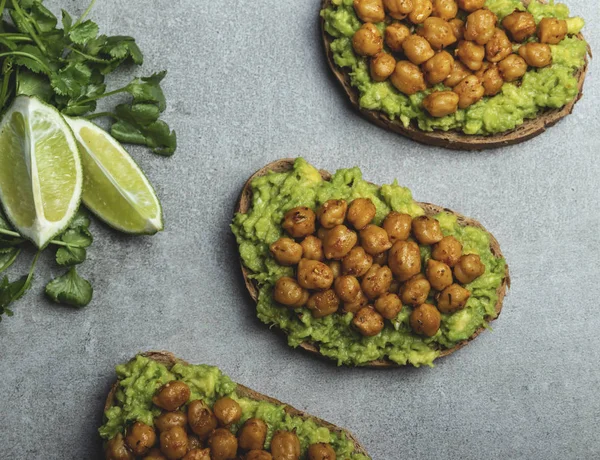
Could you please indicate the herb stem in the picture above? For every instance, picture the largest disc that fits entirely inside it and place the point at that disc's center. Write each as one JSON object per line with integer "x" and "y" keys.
{"x": 100, "y": 115}
{"x": 27, "y": 55}
{"x": 54, "y": 242}
{"x": 110, "y": 93}
{"x": 88, "y": 57}
{"x": 16, "y": 37}
{"x": 27, "y": 282}
{"x": 2, "y": 5}
{"x": 6, "y": 71}
{"x": 84, "y": 15}
{"x": 27, "y": 24}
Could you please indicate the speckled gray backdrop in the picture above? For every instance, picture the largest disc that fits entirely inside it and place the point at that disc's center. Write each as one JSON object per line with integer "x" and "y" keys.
{"x": 247, "y": 85}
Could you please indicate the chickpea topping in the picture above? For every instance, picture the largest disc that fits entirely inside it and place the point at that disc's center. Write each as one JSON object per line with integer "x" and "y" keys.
{"x": 438, "y": 68}
{"x": 491, "y": 79}
{"x": 398, "y": 9}
{"x": 140, "y": 438}
{"x": 520, "y": 25}
{"x": 168, "y": 420}
{"x": 323, "y": 303}
{"x": 458, "y": 28}
{"x": 377, "y": 281}
{"x": 421, "y": 11}
{"x": 322, "y": 233}
{"x": 174, "y": 443}
{"x": 299, "y": 222}
{"x": 194, "y": 442}
{"x": 227, "y": 411}
{"x": 332, "y": 213}
{"x": 201, "y": 419}
{"x": 536, "y": 54}
{"x": 172, "y": 395}
{"x": 397, "y": 226}
{"x": 498, "y": 47}
{"x": 471, "y": 5}
{"x": 394, "y": 287}
{"x": 405, "y": 260}
{"x": 470, "y": 54}
{"x": 288, "y": 292}
{"x": 312, "y": 248}
{"x": 252, "y": 434}
{"x": 382, "y": 65}
{"x": 425, "y": 320}
{"x": 408, "y": 78}
{"x": 427, "y": 230}
{"x": 458, "y": 74}
{"x": 452, "y": 299}
{"x": 361, "y": 301}
{"x": 369, "y": 10}
{"x": 117, "y": 450}
{"x": 448, "y": 250}
{"x": 321, "y": 451}
{"x": 313, "y": 274}
{"x": 395, "y": 34}
{"x": 437, "y": 32}
{"x": 357, "y": 262}
{"x": 367, "y": 40}
{"x": 415, "y": 291}
{"x": 552, "y": 31}
{"x": 223, "y": 445}
{"x": 468, "y": 268}
{"x": 441, "y": 103}
{"x": 445, "y": 9}
{"x": 439, "y": 274}
{"x": 512, "y": 68}
{"x": 361, "y": 212}
{"x": 469, "y": 91}
{"x": 285, "y": 446}
{"x": 381, "y": 258}
{"x": 286, "y": 251}
{"x": 368, "y": 322}
{"x": 258, "y": 455}
{"x": 156, "y": 454}
{"x": 374, "y": 240}
{"x": 347, "y": 288}
{"x": 417, "y": 49}
{"x": 480, "y": 26}
{"x": 388, "y": 305}
{"x": 336, "y": 268}
{"x": 338, "y": 242}
{"x": 197, "y": 454}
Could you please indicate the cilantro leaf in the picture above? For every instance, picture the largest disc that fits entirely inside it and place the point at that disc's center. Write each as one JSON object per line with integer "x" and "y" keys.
{"x": 31, "y": 84}
{"x": 81, "y": 219}
{"x": 37, "y": 63}
{"x": 77, "y": 237}
{"x": 147, "y": 89}
{"x": 70, "y": 289}
{"x": 67, "y": 21}
{"x": 84, "y": 32}
{"x": 122, "y": 47}
{"x": 8, "y": 258}
{"x": 43, "y": 17}
{"x": 71, "y": 80}
{"x": 9, "y": 292}
{"x": 157, "y": 136}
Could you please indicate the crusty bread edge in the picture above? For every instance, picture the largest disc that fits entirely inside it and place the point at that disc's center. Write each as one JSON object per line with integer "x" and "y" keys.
{"x": 284, "y": 165}
{"x": 168, "y": 359}
{"x": 454, "y": 140}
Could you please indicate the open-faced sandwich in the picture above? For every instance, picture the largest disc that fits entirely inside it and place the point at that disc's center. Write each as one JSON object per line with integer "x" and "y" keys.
{"x": 462, "y": 74}
{"x": 364, "y": 274}
{"x": 162, "y": 408}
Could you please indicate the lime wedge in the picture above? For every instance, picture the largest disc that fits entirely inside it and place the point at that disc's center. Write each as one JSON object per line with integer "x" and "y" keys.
{"x": 40, "y": 170}
{"x": 114, "y": 187}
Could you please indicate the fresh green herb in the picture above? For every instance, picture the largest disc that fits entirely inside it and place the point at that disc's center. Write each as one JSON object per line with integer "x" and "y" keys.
{"x": 70, "y": 289}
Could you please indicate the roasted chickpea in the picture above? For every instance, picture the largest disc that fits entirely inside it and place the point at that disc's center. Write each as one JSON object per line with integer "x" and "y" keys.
{"x": 405, "y": 259}
{"x": 367, "y": 40}
{"x": 361, "y": 212}
{"x": 438, "y": 274}
{"x": 395, "y": 34}
{"x": 425, "y": 320}
{"x": 117, "y": 450}
{"x": 438, "y": 68}
{"x": 288, "y": 292}
{"x": 201, "y": 419}
{"x": 198, "y": 454}
{"x": 388, "y": 305}
{"x": 397, "y": 226}
{"x": 471, "y": 5}
{"x": 398, "y": 9}
{"x": 140, "y": 438}
{"x": 377, "y": 281}
{"x": 427, "y": 230}
{"x": 470, "y": 54}
{"x": 168, "y": 420}
{"x": 381, "y": 258}
{"x": 155, "y": 454}
{"x": 437, "y": 32}
{"x": 323, "y": 303}
{"x": 336, "y": 268}
{"x": 322, "y": 233}
{"x": 194, "y": 442}
{"x": 312, "y": 248}
{"x": 417, "y": 49}
{"x": 458, "y": 74}
{"x": 369, "y": 10}
{"x": 480, "y": 26}
{"x": 374, "y": 240}
{"x": 382, "y": 65}
{"x": 448, "y": 250}
{"x": 468, "y": 268}
{"x": 172, "y": 395}
{"x": 361, "y": 301}
{"x": 512, "y": 68}
{"x": 491, "y": 79}
{"x": 347, "y": 288}
{"x": 258, "y": 455}
{"x": 338, "y": 242}
{"x": 286, "y": 251}
{"x": 452, "y": 299}
{"x": 299, "y": 222}
{"x": 441, "y": 103}
{"x": 285, "y": 446}
{"x": 174, "y": 443}
{"x": 458, "y": 28}
{"x": 394, "y": 287}
{"x": 421, "y": 11}
{"x": 252, "y": 434}
{"x": 520, "y": 25}
{"x": 368, "y": 322}
{"x": 321, "y": 451}
{"x": 445, "y": 9}
{"x": 332, "y": 213}
{"x": 469, "y": 91}
{"x": 498, "y": 47}
{"x": 313, "y": 274}
{"x": 223, "y": 445}
{"x": 408, "y": 78}
{"x": 415, "y": 291}
{"x": 552, "y": 31}
{"x": 227, "y": 411}
{"x": 536, "y": 54}
{"x": 357, "y": 262}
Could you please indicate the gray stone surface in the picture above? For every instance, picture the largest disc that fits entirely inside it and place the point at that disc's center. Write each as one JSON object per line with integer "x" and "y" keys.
{"x": 247, "y": 85}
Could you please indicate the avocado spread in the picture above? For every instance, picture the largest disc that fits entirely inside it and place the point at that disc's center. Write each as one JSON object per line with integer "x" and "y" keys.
{"x": 276, "y": 193}
{"x": 139, "y": 380}
{"x": 540, "y": 89}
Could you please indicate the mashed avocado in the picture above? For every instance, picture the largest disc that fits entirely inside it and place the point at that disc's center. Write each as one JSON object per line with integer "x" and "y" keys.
{"x": 276, "y": 193}
{"x": 140, "y": 378}
{"x": 540, "y": 89}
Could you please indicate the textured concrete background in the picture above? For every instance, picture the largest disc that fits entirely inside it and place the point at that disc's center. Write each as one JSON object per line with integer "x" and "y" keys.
{"x": 247, "y": 85}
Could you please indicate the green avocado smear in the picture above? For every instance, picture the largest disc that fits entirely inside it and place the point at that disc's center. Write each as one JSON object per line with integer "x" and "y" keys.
{"x": 548, "y": 88}
{"x": 139, "y": 379}
{"x": 276, "y": 193}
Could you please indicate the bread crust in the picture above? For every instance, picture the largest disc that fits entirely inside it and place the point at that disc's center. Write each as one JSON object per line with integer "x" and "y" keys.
{"x": 245, "y": 202}
{"x": 168, "y": 359}
{"x": 455, "y": 140}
